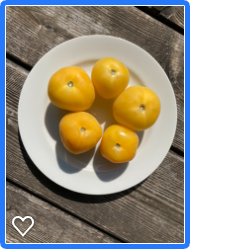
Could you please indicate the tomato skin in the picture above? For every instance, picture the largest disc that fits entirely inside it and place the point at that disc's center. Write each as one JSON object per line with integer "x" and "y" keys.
{"x": 119, "y": 144}
{"x": 137, "y": 108}
{"x": 75, "y": 139}
{"x": 110, "y": 77}
{"x": 71, "y": 89}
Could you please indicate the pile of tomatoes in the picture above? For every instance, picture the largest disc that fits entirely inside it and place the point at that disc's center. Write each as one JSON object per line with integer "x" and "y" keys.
{"x": 135, "y": 109}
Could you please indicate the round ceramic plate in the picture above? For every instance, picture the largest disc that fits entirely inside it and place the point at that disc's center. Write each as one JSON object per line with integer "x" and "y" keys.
{"x": 90, "y": 173}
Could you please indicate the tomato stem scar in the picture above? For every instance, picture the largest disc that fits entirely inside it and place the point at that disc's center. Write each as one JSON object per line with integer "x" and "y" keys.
{"x": 82, "y": 129}
{"x": 113, "y": 71}
{"x": 70, "y": 84}
{"x": 117, "y": 145}
{"x": 142, "y": 107}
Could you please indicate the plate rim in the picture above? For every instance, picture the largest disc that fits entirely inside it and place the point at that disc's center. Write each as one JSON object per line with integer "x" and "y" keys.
{"x": 103, "y": 192}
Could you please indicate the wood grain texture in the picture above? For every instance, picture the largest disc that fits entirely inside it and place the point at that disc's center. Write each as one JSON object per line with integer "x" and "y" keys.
{"x": 153, "y": 211}
{"x": 51, "y": 224}
{"x": 173, "y": 15}
{"x": 33, "y": 31}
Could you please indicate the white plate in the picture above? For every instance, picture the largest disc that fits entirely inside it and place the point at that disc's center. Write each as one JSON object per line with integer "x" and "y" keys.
{"x": 90, "y": 173}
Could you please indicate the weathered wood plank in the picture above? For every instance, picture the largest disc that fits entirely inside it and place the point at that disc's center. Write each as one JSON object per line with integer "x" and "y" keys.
{"x": 167, "y": 14}
{"x": 33, "y": 31}
{"x": 51, "y": 224}
{"x": 153, "y": 211}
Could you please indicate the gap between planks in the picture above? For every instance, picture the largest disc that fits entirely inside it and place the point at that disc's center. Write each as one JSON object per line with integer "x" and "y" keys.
{"x": 156, "y": 15}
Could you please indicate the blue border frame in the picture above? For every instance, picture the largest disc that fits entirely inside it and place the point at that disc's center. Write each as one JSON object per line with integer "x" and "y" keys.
{"x": 187, "y": 116}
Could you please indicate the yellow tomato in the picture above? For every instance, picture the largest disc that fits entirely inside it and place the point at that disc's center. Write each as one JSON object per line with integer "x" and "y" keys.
{"x": 119, "y": 144}
{"x": 136, "y": 108}
{"x": 110, "y": 77}
{"x": 71, "y": 89}
{"x": 79, "y": 132}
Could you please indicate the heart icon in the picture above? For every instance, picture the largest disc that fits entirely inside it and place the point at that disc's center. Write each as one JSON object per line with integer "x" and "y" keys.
{"x": 23, "y": 219}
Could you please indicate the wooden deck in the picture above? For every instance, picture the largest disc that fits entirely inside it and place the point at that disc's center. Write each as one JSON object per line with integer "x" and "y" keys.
{"x": 151, "y": 212}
